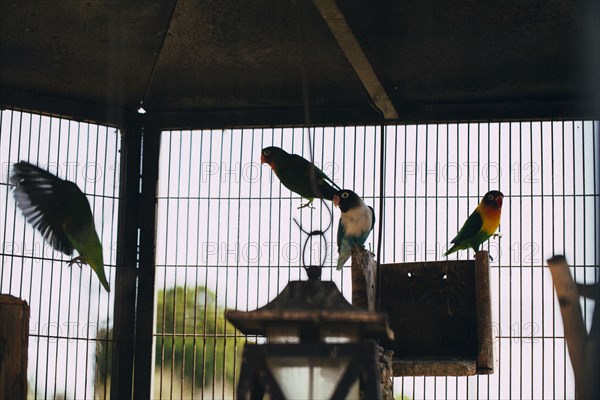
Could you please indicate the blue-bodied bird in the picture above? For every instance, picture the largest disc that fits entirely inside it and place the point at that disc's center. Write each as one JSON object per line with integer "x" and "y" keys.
{"x": 61, "y": 212}
{"x": 356, "y": 223}
{"x": 299, "y": 175}
{"x": 480, "y": 225}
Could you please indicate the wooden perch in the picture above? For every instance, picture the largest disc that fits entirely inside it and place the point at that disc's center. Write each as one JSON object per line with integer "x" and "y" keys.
{"x": 583, "y": 348}
{"x": 364, "y": 277}
{"x": 14, "y": 338}
{"x": 485, "y": 345}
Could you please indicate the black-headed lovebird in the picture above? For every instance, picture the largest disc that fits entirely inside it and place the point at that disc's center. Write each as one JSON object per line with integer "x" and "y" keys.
{"x": 356, "y": 222}
{"x": 481, "y": 224}
{"x": 299, "y": 175}
{"x": 61, "y": 212}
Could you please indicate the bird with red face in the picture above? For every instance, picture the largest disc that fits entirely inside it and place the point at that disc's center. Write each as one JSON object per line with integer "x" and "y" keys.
{"x": 480, "y": 225}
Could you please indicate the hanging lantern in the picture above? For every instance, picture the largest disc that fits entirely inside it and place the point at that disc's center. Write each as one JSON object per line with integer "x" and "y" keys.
{"x": 318, "y": 346}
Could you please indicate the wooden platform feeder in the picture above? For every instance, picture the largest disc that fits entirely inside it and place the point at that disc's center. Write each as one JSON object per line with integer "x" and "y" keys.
{"x": 440, "y": 313}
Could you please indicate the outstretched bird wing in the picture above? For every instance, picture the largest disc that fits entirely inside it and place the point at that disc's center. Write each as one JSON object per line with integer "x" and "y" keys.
{"x": 40, "y": 195}
{"x": 61, "y": 212}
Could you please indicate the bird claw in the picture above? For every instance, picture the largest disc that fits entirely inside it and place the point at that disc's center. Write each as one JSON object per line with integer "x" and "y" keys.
{"x": 309, "y": 205}
{"x": 76, "y": 260}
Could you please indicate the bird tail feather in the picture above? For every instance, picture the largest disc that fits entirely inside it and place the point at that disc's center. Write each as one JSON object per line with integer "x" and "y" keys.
{"x": 342, "y": 260}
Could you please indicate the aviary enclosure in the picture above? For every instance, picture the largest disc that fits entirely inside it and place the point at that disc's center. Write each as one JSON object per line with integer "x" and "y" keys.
{"x": 225, "y": 239}
{"x": 158, "y": 112}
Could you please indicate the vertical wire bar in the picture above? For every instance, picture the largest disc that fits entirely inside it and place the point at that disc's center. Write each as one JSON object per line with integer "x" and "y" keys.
{"x": 70, "y": 269}
{"x": 34, "y": 235}
{"x": 227, "y": 235}
{"x": 500, "y": 270}
{"x": 186, "y": 260}
{"x": 543, "y": 270}
{"x": 196, "y": 335}
{"x": 51, "y": 285}
{"x": 584, "y": 262}
{"x": 216, "y": 311}
{"x": 532, "y": 253}
{"x": 415, "y": 230}
{"x": 177, "y": 200}
{"x": 89, "y": 288}
{"x": 479, "y": 194}
{"x": 115, "y": 199}
{"x": 208, "y": 223}
{"x": 269, "y": 216}
{"x": 564, "y": 248}
{"x": 79, "y": 133}
{"x": 457, "y": 380}
{"x": 184, "y": 307}
{"x": 489, "y": 163}
{"x": 95, "y": 196}
{"x": 552, "y": 231}
{"x": 510, "y": 266}
{"x": 404, "y": 230}
{"x": 196, "y": 258}
{"x": 238, "y": 239}
{"x": 596, "y": 150}
{"x": 166, "y": 267}
{"x": 10, "y": 137}
{"x": 521, "y": 248}
{"x": 447, "y": 237}
{"x": 14, "y": 230}
{"x": 425, "y": 210}
{"x": 8, "y": 190}
{"x": 32, "y": 265}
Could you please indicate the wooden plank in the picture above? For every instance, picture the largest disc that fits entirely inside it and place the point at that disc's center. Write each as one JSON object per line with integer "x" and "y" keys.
{"x": 570, "y": 309}
{"x": 14, "y": 340}
{"x": 431, "y": 308}
{"x": 485, "y": 344}
{"x": 415, "y": 367}
{"x": 364, "y": 273}
{"x": 347, "y": 41}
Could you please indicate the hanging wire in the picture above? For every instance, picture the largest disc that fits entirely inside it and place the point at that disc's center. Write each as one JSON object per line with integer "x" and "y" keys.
{"x": 314, "y": 272}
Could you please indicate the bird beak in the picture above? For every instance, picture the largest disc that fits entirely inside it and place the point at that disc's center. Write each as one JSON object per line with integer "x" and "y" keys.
{"x": 262, "y": 159}
{"x": 336, "y": 200}
{"x": 499, "y": 201}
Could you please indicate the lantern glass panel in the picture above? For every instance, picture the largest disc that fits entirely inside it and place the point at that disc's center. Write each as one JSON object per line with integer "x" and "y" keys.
{"x": 307, "y": 377}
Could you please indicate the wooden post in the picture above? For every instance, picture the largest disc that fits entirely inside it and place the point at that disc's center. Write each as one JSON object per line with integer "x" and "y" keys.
{"x": 583, "y": 349}
{"x": 364, "y": 275}
{"x": 485, "y": 345}
{"x": 14, "y": 342}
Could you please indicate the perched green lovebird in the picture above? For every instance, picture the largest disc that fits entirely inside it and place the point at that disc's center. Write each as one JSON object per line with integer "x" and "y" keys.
{"x": 299, "y": 175}
{"x": 481, "y": 224}
{"x": 356, "y": 223}
{"x": 61, "y": 212}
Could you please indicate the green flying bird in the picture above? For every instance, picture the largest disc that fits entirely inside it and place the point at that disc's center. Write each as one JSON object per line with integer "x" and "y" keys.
{"x": 481, "y": 224}
{"x": 299, "y": 175}
{"x": 61, "y": 212}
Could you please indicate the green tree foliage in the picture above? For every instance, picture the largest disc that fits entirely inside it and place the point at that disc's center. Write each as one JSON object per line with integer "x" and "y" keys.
{"x": 194, "y": 344}
{"x": 193, "y": 337}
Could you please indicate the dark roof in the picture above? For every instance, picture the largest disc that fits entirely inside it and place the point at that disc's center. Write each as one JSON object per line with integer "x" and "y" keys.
{"x": 225, "y": 63}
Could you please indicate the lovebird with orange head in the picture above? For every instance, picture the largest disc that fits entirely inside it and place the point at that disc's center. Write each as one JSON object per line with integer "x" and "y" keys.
{"x": 61, "y": 212}
{"x": 299, "y": 175}
{"x": 480, "y": 225}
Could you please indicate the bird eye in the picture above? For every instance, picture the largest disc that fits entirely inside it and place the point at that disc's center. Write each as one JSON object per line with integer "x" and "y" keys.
{"x": 266, "y": 152}
{"x": 345, "y": 195}
{"x": 491, "y": 197}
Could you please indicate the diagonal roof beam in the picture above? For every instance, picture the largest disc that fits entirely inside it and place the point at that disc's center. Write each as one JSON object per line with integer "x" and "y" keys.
{"x": 343, "y": 34}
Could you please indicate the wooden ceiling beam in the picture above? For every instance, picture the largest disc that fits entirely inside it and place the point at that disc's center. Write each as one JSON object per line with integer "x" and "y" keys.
{"x": 347, "y": 41}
